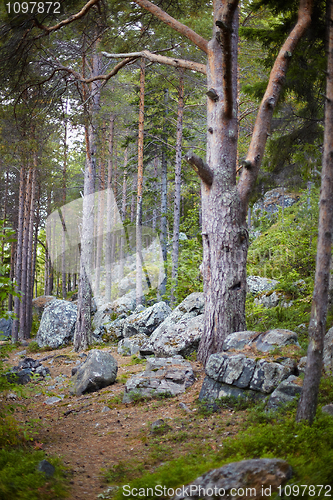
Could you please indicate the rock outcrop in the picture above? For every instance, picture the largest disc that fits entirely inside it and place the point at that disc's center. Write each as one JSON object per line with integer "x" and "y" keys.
{"x": 242, "y": 370}
{"x": 162, "y": 377}
{"x": 178, "y": 334}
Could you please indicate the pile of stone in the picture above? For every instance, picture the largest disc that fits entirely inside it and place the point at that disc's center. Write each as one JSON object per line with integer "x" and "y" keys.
{"x": 162, "y": 377}
{"x": 246, "y": 369}
{"x": 26, "y": 368}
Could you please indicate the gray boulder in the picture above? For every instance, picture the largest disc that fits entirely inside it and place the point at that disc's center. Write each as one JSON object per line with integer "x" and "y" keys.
{"x": 238, "y": 340}
{"x": 26, "y": 368}
{"x": 285, "y": 392}
{"x": 147, "y": 320}
{"x": 124, "y": 304}
{"x": 5, "y": 328}
{"x": 257, "y": 284}
{"x": 273, "y": 299}
{"x": 132, "y": 345}
{"x": 162, "y": 377}
{"x": 57, "y": 324}
{"x": 39, "y": 303}
{"x": 97, "y": 371}
{"x": 246, "y": 373}
{"x": 265, "y": 342}
{"x": 108, "y": 312}
{"x": 275, "y": 339}
{"x": 274, "y": 199}
{"x": 168, "y": 333}
{"x": 239, "y": 372}
{"x": 328, "y": 409}
{"x": 248, "y": 479}
{"x": 328, "y": 351}
{"x": 181, "y": 338}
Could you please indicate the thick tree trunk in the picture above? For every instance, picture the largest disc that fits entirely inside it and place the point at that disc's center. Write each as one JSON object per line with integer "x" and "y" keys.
{"x": 308, "y": 403}
{"x": 139, "y": 290}
{"x": 83, "y": 331}
{"x": 178, "y": 164}
{"x": 224, "y": 206}
{"x": 225, "y": 237}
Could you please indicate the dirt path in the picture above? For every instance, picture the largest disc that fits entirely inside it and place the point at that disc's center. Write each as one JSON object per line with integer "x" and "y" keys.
{"x": 95, "y": 431}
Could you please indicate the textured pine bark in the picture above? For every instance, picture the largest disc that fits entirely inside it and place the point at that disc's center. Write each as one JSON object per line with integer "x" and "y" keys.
{"x": 83, "y": 331}
{"x": 178, "y": 165}
{"x": 225, "y": 237}
{"x": 224, "y": 205}
{"x": 308, "y": 402}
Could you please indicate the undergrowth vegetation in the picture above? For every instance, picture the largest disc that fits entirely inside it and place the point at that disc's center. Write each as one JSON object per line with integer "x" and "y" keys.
{"x": 260, "y": 434}
{"x": 20, "y": 478}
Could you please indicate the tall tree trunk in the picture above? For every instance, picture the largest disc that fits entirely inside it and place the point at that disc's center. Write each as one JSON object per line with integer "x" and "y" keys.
{"x": 308, "y": 402}
{"x": 164, "y": 196}
{"x": 100, "y": 220}
{"x": 29, "y": 287}
{"x": 18, "y": 264}
{"x": 139, "y": 290}
{"x": 178, "y": 165}
{"x": 225, "y": 237}
{"x": 134, "y": 189}
{"x": 155, "y": 190}
{"x": 224, "y": 206}
{"x": 124, "y": 191}
{"x": 64, "y": 193}
{"x": 109, "y": 212}
{"x": 83, "y": 331}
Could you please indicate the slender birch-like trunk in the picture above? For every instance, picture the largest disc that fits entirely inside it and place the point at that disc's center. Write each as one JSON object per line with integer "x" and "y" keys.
{"x": 178, "y": 165}
{"x": 139, "y": 290}
{"x": 109, "y": 212}
{"x": 164, "y": 196}
{"x": 308, "y": 402}
{"x": 25, "y": 255}
{"x": 18, "y": 264}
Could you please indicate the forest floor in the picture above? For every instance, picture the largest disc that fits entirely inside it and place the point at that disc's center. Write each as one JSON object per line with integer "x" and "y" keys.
{"x": 96, "y": 432}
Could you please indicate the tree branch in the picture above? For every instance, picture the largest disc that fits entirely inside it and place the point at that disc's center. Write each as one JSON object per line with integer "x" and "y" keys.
{"x": 198, "y": 40}
{"x": 80, "y": 78}
{"x": 70, "y": 19}
{"x": 170, "y": 61}
{"x": 272, "y": 94}
{"x": 224, "y": 22}
{"x": 205, "y": 173}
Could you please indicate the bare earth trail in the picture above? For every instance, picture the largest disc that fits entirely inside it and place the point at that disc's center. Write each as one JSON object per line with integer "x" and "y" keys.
{"x": 93, "y": 432}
